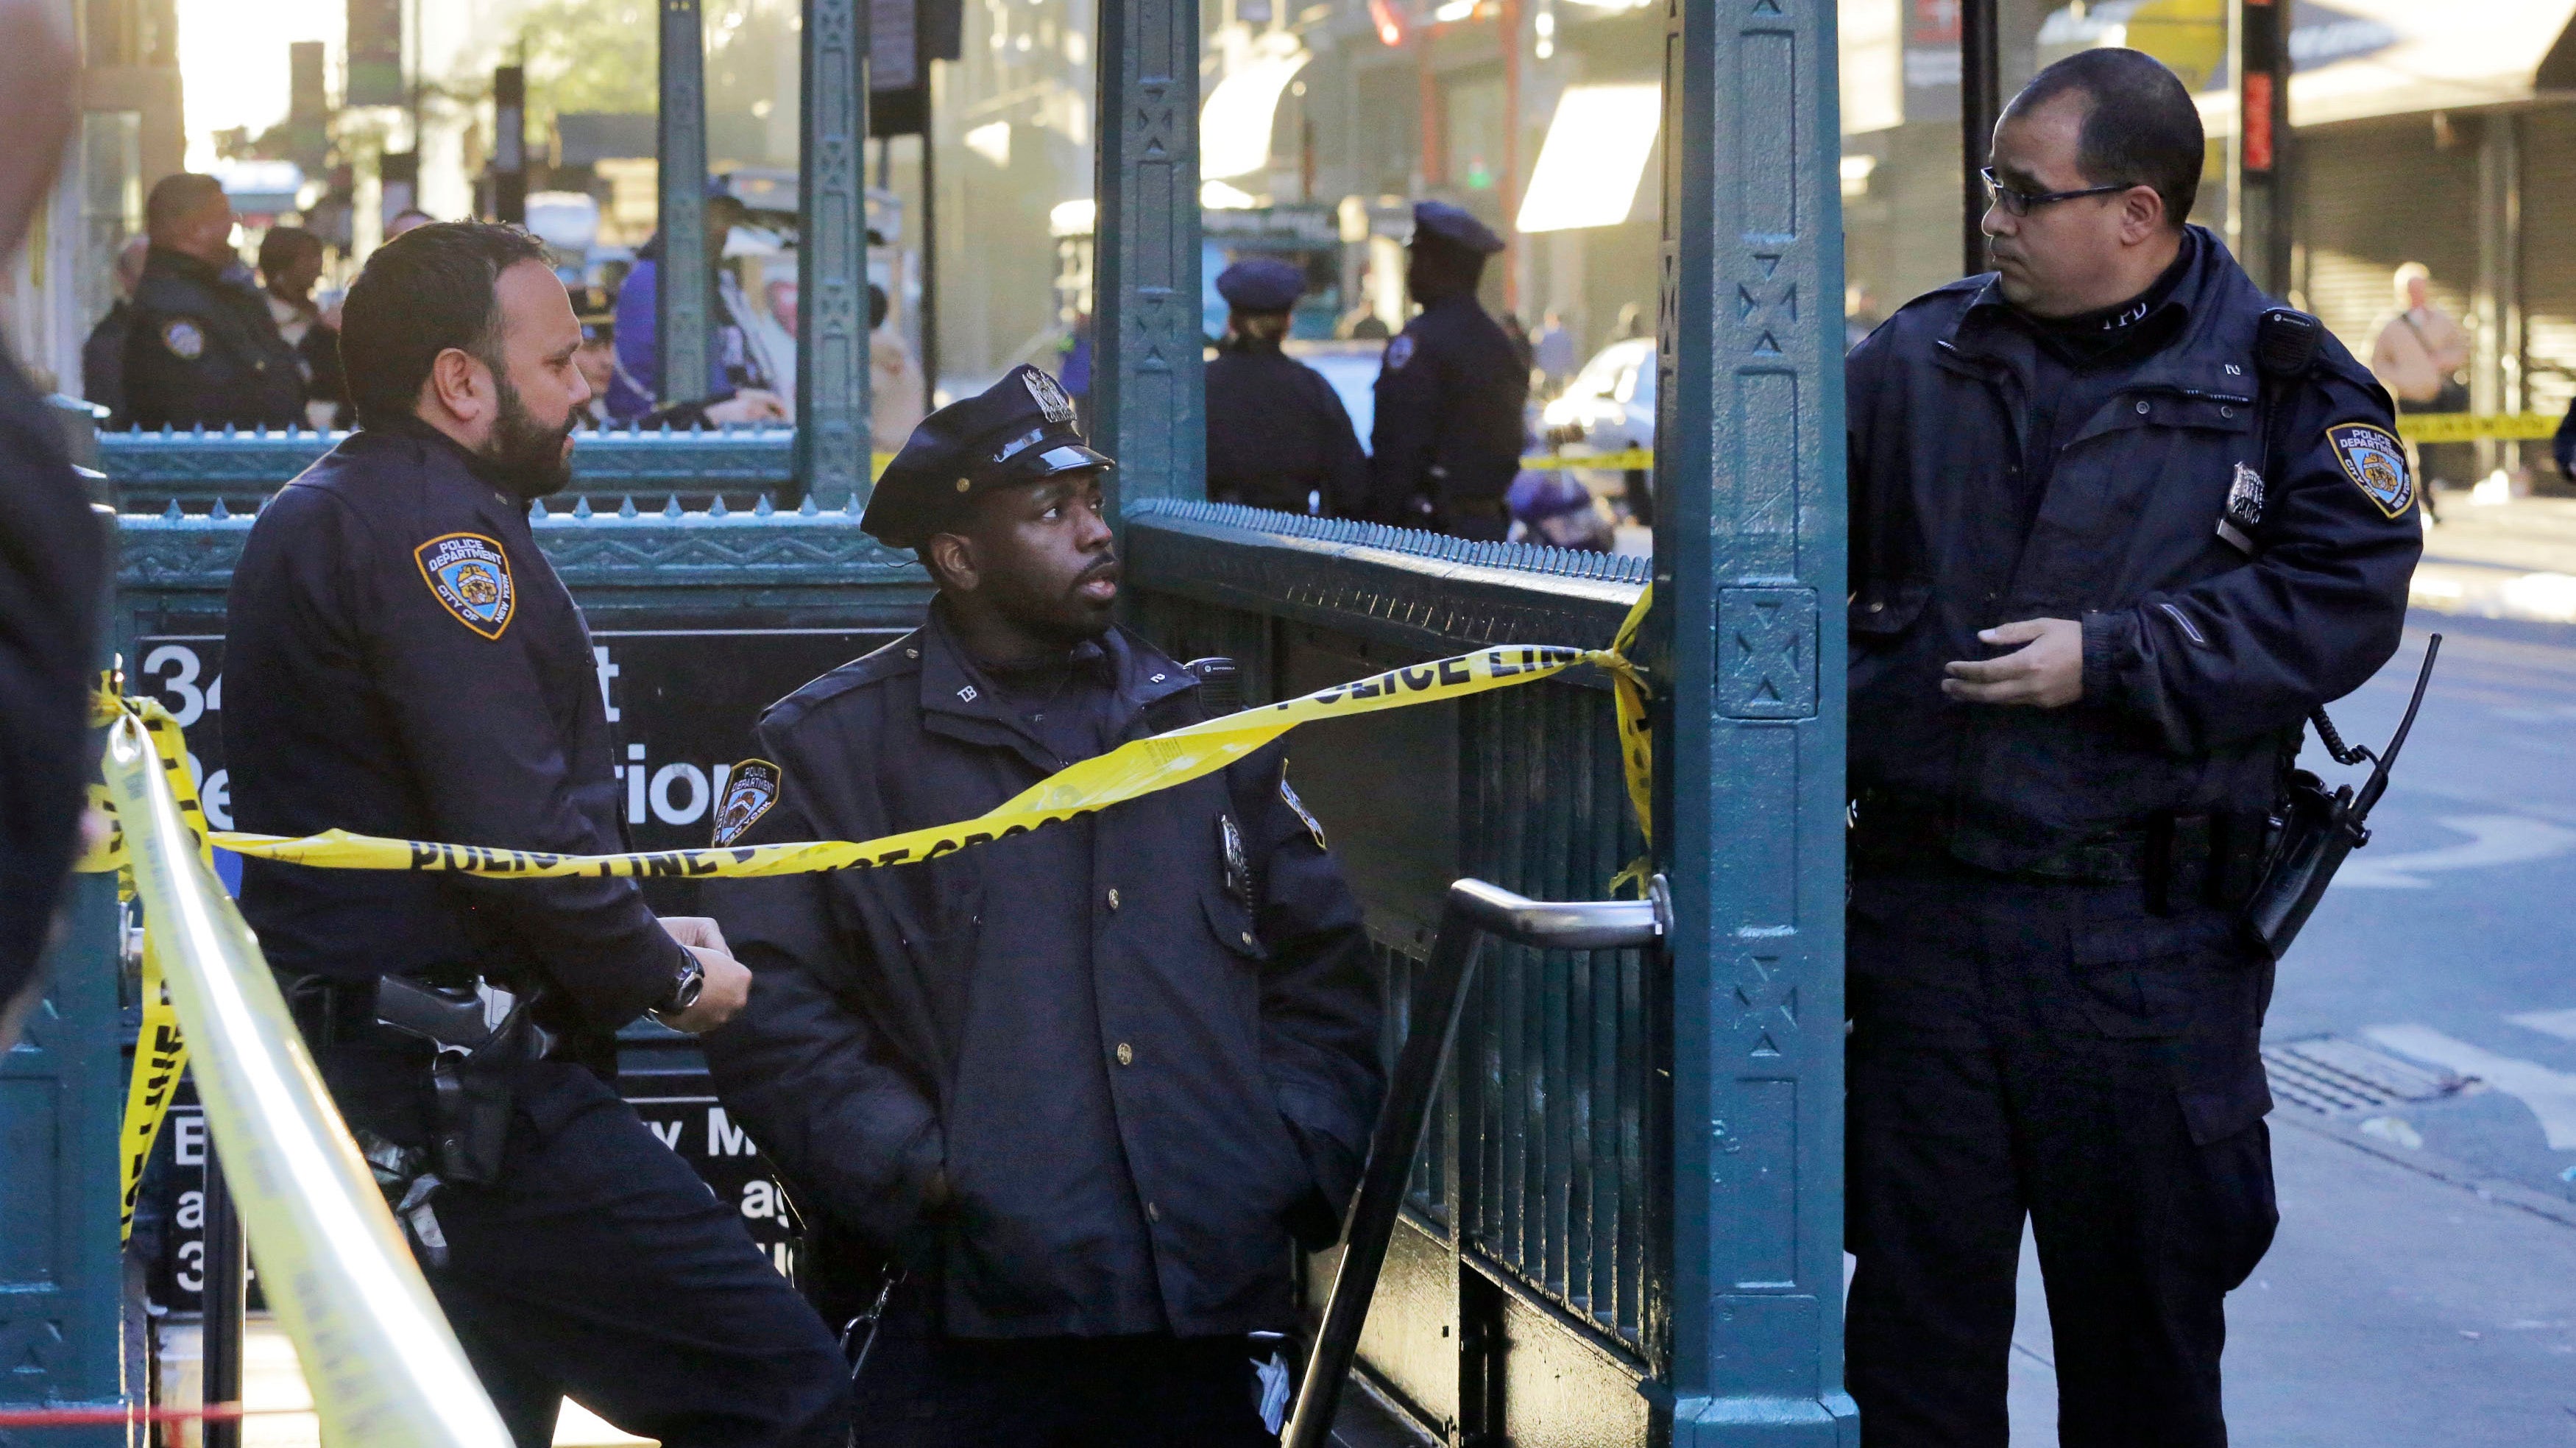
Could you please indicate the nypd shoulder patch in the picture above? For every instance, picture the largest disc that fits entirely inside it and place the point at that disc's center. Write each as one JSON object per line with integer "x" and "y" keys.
{"x": 2376, "y": 462}
{"x": 1288, "y": 797}
{"x": 1399, "y": 352}
{"x": 185, "y": 339}
{"x": 748, "y": 794}
{"x": 470, "y": 577}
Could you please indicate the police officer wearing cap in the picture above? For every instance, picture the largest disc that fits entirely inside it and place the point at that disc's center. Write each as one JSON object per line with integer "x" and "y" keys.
{"x": 401, "y": 661}
{"x": 2118, "y": 526}
{"x": 1060, "y": 1102}
{"x": 202, "y": 349}
{"x": 1277, "y": 435}
{"x": 1450, "y": 393}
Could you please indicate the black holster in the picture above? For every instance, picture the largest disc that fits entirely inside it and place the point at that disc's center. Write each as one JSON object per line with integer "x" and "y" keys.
{"x": 2312, "y": 833}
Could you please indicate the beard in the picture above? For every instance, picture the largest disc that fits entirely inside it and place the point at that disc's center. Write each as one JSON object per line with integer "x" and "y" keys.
{"x": 527, "y": 456}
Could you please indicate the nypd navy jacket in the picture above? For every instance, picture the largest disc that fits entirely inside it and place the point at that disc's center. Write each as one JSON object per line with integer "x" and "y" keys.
{"x": 401, "y": 660}
{"x": 2200, "y": 659}
{"x": 1140, "y": 1045}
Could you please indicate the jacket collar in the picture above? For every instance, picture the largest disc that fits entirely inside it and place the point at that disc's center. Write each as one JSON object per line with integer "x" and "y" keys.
{"x": 441, "y": 458}
{"x": 2219, "y": 304}
{"x": 958, "y": 700}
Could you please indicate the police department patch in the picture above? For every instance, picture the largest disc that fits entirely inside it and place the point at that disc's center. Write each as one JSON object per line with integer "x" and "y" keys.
{"x": 2376, "y": 462}
{"x": 1288, "y": 797}
{"x": 185, "y": 339}
{"x": 1399, "y": 352}
{"x": 470, "y": 576}
{"x": 749, "y": 792}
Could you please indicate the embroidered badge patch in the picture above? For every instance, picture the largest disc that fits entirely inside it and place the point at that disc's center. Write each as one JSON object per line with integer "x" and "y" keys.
{"x": 1288, "y": 797}
{"x": 749, "y": 792}
{"x": 185, "y": 339}
{"x": 1047, "y": 395}
{"x": 2376, "y": 462}
{"x": 1399, "y": 352}
{"x": 471, "y": 577}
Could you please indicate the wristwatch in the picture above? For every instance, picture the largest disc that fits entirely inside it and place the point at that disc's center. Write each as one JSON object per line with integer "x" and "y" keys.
{"x": 684, "y": 990}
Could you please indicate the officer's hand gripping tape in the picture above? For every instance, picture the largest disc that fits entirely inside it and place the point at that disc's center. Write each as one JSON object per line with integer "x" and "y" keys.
{"x": 2313, "y": 831}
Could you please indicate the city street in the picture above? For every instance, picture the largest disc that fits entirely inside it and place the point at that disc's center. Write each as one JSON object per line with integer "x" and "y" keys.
{"x": 2423, "y": 1050}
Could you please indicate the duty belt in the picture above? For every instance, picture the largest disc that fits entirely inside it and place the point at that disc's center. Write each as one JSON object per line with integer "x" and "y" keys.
{"x": 2213, "y": 858}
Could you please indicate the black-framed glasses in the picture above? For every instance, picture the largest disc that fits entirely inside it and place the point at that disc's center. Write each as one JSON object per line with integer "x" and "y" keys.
{"x": 2022, "y": 203}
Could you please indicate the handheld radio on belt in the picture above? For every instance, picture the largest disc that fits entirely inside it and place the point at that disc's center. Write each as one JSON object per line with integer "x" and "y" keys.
{"x": 2311, "y": 831}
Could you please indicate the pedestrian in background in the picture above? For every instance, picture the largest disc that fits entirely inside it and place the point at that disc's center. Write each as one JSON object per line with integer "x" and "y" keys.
{"x": 897, "y": 396}
{"x": 103, "y": 355}
{"x": 1553, "y": 352}
{"x": 1450, "y": 391}
{"x": 290, "y": 263}
{"x": 2103, "y": 565}
{"x": 2419, "y": 357}
{"x": 1277, "y": 436}
{"x": 203, "y": 350}
{"x": 734, "y": 373}
{"x": 53, "y": 555}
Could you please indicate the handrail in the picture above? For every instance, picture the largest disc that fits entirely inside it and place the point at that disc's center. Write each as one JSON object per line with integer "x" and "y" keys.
{"x": 1473, "y": 910}
{"x": 385, "y": 1367}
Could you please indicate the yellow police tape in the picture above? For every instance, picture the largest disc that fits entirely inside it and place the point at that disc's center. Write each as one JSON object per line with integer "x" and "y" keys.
{"x": 2474, "y": 426}
{"x": 1639, "y": 458}
{"x": 384, "y": 1367}
{"x": 1137, "y": 768}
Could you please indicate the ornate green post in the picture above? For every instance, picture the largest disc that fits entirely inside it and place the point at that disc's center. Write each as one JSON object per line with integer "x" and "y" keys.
{"x": 681, "y": 295}
{"x": 1749, "y": 551}
{"x": 832, "y": 434}
{"x": 1148, "y": 397}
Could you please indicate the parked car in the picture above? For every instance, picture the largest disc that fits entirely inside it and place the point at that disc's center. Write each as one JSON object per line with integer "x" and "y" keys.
{"x": 1608, "y": 408}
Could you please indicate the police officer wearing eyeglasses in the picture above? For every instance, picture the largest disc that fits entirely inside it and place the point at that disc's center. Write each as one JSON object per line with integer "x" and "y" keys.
{"x": 2115, "y": 533}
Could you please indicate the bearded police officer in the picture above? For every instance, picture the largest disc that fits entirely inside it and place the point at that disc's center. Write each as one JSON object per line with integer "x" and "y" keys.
{"x": 201, "y": 349}
{"x": 1277, "y": 436}
{"x": 1074, "y": 1091}
{"x": 1447, "y": 439}
{"x": 2116, "y": 531}
{"x": 401, "y": 661}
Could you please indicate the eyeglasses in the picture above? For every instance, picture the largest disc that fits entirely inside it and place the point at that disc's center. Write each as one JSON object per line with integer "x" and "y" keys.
{"x": 2023, "y": 203}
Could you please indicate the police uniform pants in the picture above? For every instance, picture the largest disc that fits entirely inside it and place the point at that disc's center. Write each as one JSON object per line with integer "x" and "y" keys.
{"x": 920, "y": 1389}
{"x": 599, "y": 1267}
{"x": 2058, "y": 1051}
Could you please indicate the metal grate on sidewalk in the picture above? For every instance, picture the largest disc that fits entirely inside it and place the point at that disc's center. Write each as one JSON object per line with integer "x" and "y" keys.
{"x": 2332, "y": 1074}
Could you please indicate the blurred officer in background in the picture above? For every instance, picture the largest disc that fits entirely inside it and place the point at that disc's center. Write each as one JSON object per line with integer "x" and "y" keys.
{"x": 1277, "y": 437}
{"x": 1450, "y": 393}
{"x": 103, "y": 355}
{"x": 1076, "y": 1089}
{"x": 53, "y": 552}
{"x": 405, "y": 663}
{"x": 202, "y": 349}
{"x": 290, "y": 262}
{"x": 2117, "y": 529}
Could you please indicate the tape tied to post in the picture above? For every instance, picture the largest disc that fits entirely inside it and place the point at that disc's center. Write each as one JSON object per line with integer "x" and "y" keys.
{"x": 1132, "y": 770}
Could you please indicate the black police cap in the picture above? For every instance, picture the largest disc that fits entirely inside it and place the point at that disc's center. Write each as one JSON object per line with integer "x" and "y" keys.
{"x": 1019, "y": 430}
{"x": 1261, "y": 284}
{"x": 1454, "y": 225}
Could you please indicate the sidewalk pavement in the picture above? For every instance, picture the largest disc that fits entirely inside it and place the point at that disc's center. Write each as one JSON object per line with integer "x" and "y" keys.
{"x": 2512, "y": 560}
{"x": 2396, "y": 1309}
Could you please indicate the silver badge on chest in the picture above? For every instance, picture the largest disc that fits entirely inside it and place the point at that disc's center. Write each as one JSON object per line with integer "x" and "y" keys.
{"x": 1238, "y": 867}
{"x": 2244, "y": 509}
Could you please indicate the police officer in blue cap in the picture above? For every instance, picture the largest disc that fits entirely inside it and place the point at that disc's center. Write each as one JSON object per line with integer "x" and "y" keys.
{"x": 1057, "y": 1102}
{"x": 1451, "y": 391}
{"x": 1277, "y": 436}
